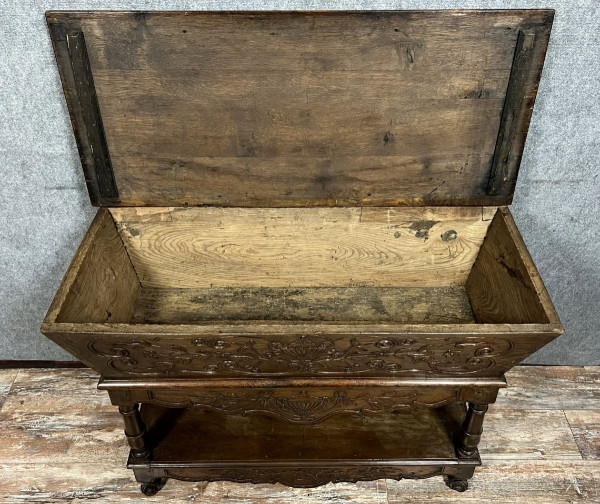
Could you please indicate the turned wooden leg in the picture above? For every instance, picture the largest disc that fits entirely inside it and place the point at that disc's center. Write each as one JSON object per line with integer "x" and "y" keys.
{"x": 135, "y": 430}
{"x": 470, "y": 433}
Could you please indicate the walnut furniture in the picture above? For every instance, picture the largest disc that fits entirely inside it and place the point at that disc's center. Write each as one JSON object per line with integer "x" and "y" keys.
{"x": 303, "y": 268}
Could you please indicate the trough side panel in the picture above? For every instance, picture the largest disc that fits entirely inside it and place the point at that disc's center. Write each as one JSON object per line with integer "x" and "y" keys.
{"x": 504, "y": 286}
{"x": 101, "y": 285}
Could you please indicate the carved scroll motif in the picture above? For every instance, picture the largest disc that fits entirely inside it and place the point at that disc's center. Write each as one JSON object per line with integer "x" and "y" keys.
{"x": 314, "y": 355}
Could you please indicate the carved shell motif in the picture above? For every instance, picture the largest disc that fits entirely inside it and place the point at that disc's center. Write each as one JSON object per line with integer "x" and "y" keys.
{"x": 304, "y": 405}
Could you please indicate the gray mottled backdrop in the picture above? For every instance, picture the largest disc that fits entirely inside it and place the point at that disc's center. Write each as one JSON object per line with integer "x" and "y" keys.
{"x": 45, "y": 209}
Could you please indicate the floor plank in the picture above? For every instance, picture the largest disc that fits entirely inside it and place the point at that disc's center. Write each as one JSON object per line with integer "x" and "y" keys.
{"x": 7, "y": 377}
{"x": 521, "y": 435}
{"x": 45, "y": 483}
{"x": 551, "y": 387}
{"x": 59, "y": 414}
{"x": 585, "y": 425}
{"x": 367, "y": 492}
{"x": 510, "y": 482}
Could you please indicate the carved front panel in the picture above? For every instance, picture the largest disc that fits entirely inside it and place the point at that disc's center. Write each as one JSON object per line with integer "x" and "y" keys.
{"x": 302, "y": 355}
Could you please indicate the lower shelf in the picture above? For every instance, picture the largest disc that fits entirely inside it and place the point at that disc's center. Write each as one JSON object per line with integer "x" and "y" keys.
{"x": 195, "y": 444}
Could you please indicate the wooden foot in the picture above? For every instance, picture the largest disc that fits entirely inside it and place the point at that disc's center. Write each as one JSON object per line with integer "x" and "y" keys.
{"x": 152, "y": 487}
{"x": 135, "y": 431}
{"x": 470, "y": 433}
{"x": 460, "y": 485}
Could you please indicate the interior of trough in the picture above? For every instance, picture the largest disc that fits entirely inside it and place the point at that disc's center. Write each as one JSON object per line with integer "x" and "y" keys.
{"x": 407, "y": 265}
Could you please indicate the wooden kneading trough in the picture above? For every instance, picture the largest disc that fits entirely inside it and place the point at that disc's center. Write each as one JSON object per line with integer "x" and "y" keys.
{"x": 303, "y": 268}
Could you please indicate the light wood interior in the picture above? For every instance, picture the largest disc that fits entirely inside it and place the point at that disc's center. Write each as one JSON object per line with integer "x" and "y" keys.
{"x": 402, "y": 265}
{"x": 101, "y": 284}
{"x": 316, "y": 247}
{"x": 409, "y": 265}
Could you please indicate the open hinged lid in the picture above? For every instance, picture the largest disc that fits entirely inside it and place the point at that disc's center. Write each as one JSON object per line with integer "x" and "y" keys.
{"x": 300, "y": 109}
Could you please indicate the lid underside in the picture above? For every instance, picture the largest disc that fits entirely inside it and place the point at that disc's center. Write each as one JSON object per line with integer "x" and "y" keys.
{"x": 300, "y": 109}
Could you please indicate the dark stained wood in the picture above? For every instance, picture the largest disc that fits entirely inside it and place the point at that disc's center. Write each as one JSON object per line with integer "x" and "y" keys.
{"x": 63, "y": 441}
{"x": 80, "y": 93}
{"x": 480, "y": 387}
{"x": 314, "y": 402}
{"x": 302, "y": 345}
{"x": 262, "y": 449}
{"x": 530, "y": 51}
{"x": 309, "y": 350}
{"x": 469, "y": 435}
{"x": 58, "y": 34}
{"x": 88, "y": 103}
{"x": 135, "y": 431}
{"x": 447, "y": 305}
{"x": 302, "y": 109}
{"x": 395, "y": 436}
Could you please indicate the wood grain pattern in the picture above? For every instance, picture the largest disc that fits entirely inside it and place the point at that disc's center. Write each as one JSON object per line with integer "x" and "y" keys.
{"x": 585, "y": 425}
{"x": 499, "y": 482}
{"x": 503, "y": 284}
{"x": 235, "y": 247}
{"x": 537, "y": 434}
{"x": 530, "y": 268}
{"x": 552, "y": 387}
{"x": 353, "y": 111}
{"x": 375, "y": 304}
{"x": 7, "y": 377}
{"x": 65, "y": 483}
{"x": 58, "y": 34}
{"x": 101, "y": 285}
{"x": 63, "y": 417}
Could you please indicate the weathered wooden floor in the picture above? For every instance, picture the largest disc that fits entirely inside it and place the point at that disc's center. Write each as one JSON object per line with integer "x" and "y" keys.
{"x": 62, "y": 441}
